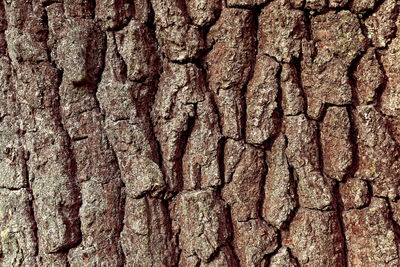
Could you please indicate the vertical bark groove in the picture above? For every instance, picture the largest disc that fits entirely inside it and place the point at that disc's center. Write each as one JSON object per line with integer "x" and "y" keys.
{"x": 199, "y": 133}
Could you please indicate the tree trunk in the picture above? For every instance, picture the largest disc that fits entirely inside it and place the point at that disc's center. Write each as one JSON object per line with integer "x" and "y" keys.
{"x": 199, "y": 133}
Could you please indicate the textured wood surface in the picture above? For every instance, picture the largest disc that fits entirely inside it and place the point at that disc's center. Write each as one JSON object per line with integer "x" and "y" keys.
{"x": 199, "y": 133}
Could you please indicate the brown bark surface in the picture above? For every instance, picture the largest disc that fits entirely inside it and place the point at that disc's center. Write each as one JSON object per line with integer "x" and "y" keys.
{"x": 199, "y": 133}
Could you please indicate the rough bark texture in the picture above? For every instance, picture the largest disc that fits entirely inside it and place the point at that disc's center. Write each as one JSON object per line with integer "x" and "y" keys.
{"x": 199, "y": 133}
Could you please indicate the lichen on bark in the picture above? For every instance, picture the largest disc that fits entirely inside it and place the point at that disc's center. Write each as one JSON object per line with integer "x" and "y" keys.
{"x": 199, "y": 133}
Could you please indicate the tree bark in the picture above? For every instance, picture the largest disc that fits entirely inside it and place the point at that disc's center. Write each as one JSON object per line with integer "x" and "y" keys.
{"x": 199, "y": 133}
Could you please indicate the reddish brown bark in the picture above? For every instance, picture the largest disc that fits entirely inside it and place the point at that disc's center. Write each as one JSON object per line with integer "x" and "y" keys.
{"x": 199, "y": 133}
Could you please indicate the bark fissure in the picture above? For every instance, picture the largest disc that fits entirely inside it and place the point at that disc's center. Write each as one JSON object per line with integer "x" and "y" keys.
{"x": 199, "y": 133}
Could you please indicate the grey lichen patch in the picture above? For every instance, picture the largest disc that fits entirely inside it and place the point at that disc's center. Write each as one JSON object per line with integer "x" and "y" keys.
{"x": 337, "y": 148}
{"x": 18, "y": 243}
{"x": 354, "y": 193}
{"x": 279, "y": 201}
{"x": 137, "y": 46}
{"x": 178, "y": 39}
{"x": 253, "y": 240}
{"x": 25, "y": 25}
{"x": 79, "y": 8}
{"x": 373, "y": 224}
{"x": 12, "y": 153}
{"x": 389, "y": 59}
{"x": 280, "y": 30}
{"x": 100, "y": 217}
{"x": 200, "y": 165}
{"x": 337, "y": 41}
{"x": 203, "y": 12}
{"x": 155, "y": 133}
{"x": 314, "y": 189}
{"x": 369, "y": 77}
{"x": 113, "y": 14}
{"x": 315, "y": 5}
{"x": 180, "y": 88}
{"x": 338, "y": 3}
{"x": 146, "y": 238}
{"x": 127, "y": 127}
{"x": 283, "y": 258}
{"x": 243, "y": 191}
{"x": 315, "y": 238}
{"x": 378, "y": 152}
{"x": 142, "y": 175}
{"x": 55, "y": 194}
{"x": 261, "y": 101}
{"x": 245, "y": 3}
{"x": 79, "y": 51}
{"x": 293, "y": 102}
{"x": 363, "y": 6}
{"x": 381, "y": 25}
{"x": 199, "y": 218}
{"x": 229, "y": 65}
